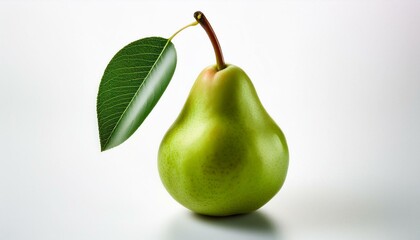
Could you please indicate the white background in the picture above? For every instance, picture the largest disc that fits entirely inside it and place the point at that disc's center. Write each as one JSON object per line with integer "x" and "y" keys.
{"x": 341, "y": 78}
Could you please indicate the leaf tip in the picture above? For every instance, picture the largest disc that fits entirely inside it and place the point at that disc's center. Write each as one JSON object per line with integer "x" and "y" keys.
{"x": 105, "y": 147}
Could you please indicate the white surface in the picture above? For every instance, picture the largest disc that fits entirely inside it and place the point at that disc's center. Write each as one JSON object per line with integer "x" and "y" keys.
{"x": 341, "y": 78}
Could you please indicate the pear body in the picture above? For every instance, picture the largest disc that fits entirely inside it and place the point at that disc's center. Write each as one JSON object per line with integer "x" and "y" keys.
{"x": 224, "y": 154}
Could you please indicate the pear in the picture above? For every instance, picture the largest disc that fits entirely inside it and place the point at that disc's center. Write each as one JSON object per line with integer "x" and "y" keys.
{"x": 223, "y": 155}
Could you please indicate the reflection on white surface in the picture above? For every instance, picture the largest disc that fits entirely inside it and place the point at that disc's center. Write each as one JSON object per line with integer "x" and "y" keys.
{"x": 254, "y": 226}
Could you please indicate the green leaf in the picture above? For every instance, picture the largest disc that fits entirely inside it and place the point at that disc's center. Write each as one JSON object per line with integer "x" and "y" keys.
{"x": 132, "y": 84}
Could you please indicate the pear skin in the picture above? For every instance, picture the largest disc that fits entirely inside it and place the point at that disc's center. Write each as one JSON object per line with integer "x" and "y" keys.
{"x": 224, "y": 154}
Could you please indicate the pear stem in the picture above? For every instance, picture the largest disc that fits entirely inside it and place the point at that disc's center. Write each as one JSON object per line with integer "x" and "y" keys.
{"x": 199, "y": 16}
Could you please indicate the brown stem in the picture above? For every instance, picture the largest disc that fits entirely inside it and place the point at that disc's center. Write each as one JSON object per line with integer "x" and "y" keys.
{"x": 199, "y": 16}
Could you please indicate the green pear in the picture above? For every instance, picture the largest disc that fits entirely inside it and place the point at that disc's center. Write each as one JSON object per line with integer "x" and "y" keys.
{"x": 224, "y": 154}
